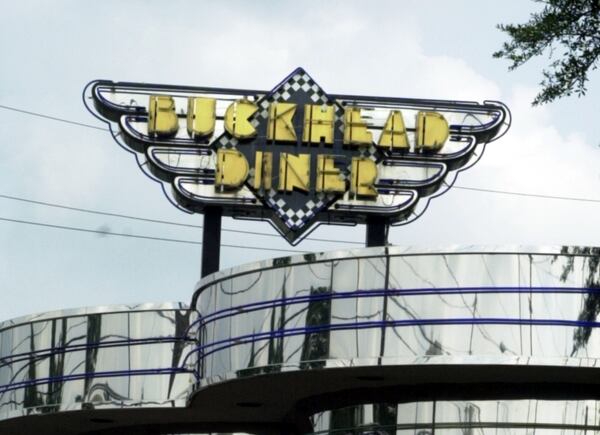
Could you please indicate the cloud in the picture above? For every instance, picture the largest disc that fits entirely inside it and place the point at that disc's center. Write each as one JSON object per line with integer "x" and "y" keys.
{"x": 536, "y": 156}
{"x": 347, "y": 47}
{"x": 540, "y": 156}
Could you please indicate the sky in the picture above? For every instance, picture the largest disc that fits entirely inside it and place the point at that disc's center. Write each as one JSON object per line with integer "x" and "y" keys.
{"x": 434, "y": 49}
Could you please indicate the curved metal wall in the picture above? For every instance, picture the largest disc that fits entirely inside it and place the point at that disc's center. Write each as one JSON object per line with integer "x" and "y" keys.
{"x": 491, "y": 417}
{"x": 399, "y": 306}
{"x": 105, "y": 357}
{"x": 438, "y": 314}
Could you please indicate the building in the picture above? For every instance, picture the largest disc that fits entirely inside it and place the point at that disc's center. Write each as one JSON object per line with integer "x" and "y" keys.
{"x": 464, "y": 340}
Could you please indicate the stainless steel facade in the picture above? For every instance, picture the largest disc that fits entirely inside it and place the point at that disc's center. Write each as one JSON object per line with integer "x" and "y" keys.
{"x": 105, "y": 357}
{"x": 395, "y": 340}
{"x": 358, "y": 307}
{"x": 481, "y": 417}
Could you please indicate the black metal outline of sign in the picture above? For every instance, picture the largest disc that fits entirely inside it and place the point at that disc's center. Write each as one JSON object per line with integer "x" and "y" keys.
{"x": 475, "y": 138}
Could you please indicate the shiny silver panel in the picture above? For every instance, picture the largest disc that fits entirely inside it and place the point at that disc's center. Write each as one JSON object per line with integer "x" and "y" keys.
{"x": 514, "y": 417}
{"x": 456, "y": 306}
{"x": 317, "y": 325}
{"x": 97, "y": 358}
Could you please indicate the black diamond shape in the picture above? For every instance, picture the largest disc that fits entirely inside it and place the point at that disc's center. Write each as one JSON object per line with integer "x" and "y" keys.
{"x": 297, "y": 200}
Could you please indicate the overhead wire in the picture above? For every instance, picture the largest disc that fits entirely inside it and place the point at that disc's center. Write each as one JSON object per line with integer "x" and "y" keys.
{"x": 159, "y": 221}
{"x": 477, "y": 189}
{"x": 144, "y": 219}
{"x": 532, "y": 195}
{"x": 53, "y": 118}
{"x": 137, "y": 236}
{"x": 124, "y": 216}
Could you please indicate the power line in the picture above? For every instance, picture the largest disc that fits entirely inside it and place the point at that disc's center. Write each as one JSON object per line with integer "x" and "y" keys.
{"x": 143, "y": 219}
{"x": 136, "y": 236}
{"x": 533, "y": 195}
{"x": 53, "y": 118}
{"x": 164, "y": 239}
{"x": 81, "y": 124}
{"x": 103, "y": 213}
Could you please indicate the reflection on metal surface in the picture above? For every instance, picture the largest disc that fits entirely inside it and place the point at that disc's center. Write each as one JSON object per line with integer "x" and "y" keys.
{"x": 506, "y": 417}
{"x": 310, "y": 311}
{"x": 591, "y": 304}
{"x": 421, "y": 316}
{"x": 119, "y": 357}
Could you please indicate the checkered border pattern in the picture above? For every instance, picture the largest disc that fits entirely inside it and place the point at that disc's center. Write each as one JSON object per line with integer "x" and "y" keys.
{"x": 298, "y": 218}
{"x": 298, "y": 83}
{"x": 301, "y": 82}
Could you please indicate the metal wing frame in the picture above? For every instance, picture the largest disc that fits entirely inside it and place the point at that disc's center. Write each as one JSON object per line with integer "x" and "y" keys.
{"x": 185, "y": 166}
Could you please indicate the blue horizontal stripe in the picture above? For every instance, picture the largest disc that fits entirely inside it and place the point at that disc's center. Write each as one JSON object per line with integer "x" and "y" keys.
{"x": 109, "y": 374}
{"x": 210, "y": 348}
{"x": 47, "y": 352}
{"x": 274, "y": 303}
{"x": 249, "y": 338}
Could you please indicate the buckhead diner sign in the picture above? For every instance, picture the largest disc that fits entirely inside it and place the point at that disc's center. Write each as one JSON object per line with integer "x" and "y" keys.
{"x": 296, "y": 156}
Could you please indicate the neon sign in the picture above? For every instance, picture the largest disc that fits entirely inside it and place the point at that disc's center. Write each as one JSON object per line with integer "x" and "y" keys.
{"x": 296, "y": 156}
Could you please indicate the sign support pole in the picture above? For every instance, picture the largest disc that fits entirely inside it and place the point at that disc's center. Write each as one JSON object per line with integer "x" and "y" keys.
{"x": 211, "y": 240}
{"x": 377, "y": 231}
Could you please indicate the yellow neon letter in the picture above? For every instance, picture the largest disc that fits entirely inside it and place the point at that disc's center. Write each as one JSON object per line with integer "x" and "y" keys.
{"x": 363, "y": 176}
{"x": 394, "y": 135}
{"x": 355, "y": 129}
{"x": 232, "y": 169}
{"x": 328, "y": 176}
{"x": 162, "y": 119}
{"x": 294, "y": 172}
{"x": 201, "y": 116}
{"x": 432, "y": 131}
{"x": 263, "y": 168}
{"x": 280, "y": 126}
{"x": 318, "y": 124}
{"x": 236, "y": 119}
